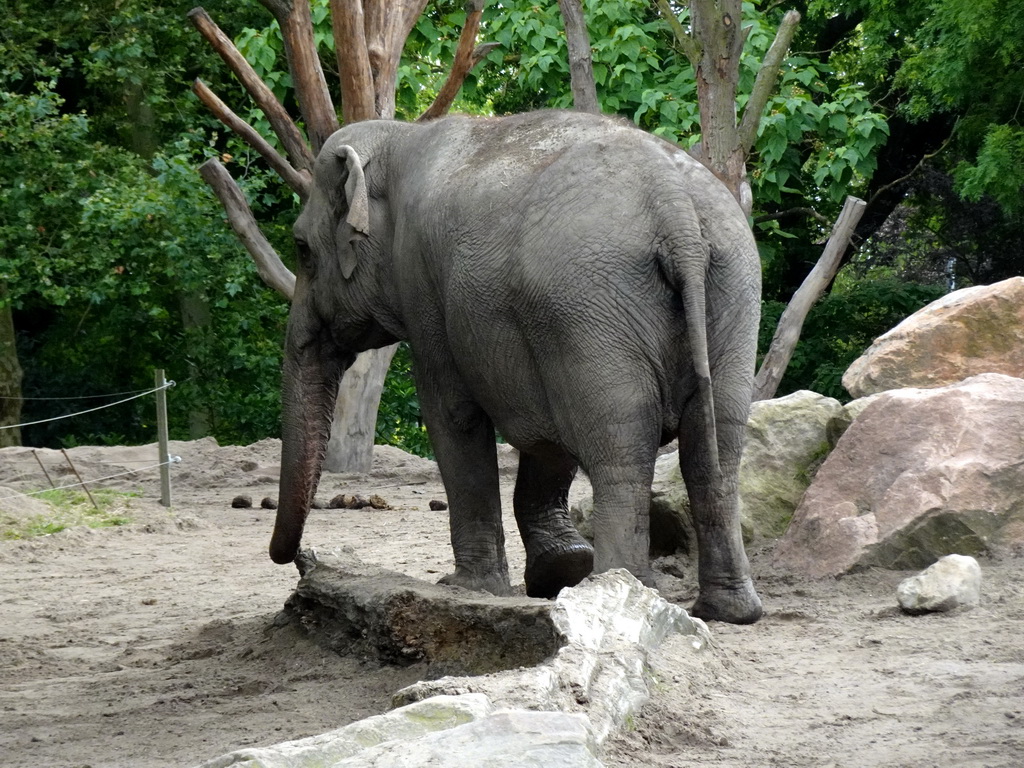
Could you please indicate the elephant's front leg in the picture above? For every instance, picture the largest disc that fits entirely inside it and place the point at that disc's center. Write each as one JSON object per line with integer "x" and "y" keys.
{"x": 556, "y": 555}
{"x": 463, "y": 440}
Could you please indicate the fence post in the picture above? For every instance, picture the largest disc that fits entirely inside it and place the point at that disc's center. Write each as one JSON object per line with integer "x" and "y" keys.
{"x": 161, "y": 428}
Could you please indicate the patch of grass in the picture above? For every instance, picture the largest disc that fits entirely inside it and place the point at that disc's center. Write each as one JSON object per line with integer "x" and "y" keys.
{"x": 73, "y": 508}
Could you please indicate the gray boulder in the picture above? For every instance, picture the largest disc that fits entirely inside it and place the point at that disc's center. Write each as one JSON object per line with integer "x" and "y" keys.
{"x": 787, "y": 439}
{"x": 921, "y": 473}
{"x": 967, "y": 332}
{"x": 953, "y": 582}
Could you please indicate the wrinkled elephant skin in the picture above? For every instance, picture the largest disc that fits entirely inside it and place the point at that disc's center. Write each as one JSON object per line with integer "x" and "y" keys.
{"x": 587, "y": 289}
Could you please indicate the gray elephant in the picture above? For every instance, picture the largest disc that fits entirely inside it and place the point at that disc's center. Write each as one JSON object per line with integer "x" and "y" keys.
{"x": 585, "y": 288}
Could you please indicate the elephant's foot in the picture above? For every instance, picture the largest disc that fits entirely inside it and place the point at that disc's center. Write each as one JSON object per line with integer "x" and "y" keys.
{"x": 494, "y": 582}
{"x": 734, "y": 605}
{"x": 565, "y": 562}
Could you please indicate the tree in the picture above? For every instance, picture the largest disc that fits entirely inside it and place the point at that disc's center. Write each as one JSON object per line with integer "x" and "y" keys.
{"x": 102, "y": 237}
{"x": 368, "y": 38}
{"x": 10, "y": 377}
{"x": 36, "y": 213}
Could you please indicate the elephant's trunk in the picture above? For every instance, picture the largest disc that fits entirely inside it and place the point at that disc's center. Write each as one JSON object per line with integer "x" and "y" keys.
{"x": 309, "y": 388}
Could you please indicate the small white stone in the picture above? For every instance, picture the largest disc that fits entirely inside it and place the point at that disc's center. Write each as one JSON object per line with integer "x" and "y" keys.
{"x": 952, "y": 582}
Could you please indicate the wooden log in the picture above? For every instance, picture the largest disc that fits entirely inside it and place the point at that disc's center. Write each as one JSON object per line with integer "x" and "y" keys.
{"x": 467, "y": 56}
{"x": 581, "y": 69}
{"x": 269, "y": 265}
{"x": 297, "y": 180}
{"x": 294, "y": 144}
{"x": 787, "y": 334}
{"x": 357, "y": 608}
{"x": 311, "y": 90}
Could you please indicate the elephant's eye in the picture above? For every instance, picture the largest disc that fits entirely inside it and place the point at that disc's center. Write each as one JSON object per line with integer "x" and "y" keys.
{"x": 302, "y": 252}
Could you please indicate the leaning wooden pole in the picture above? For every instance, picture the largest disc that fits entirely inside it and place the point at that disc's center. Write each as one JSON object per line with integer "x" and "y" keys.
{"x": 787, "y": 334}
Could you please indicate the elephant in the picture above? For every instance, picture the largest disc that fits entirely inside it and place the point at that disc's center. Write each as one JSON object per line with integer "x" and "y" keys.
{"x": 582, "y": 287}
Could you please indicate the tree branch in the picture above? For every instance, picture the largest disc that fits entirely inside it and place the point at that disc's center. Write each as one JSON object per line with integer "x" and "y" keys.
{"x": 286, "y": 130}
{"x": 388, "y": 24}
{"x": 314, "y": 98}
{"x": 799, "y": 211}
{"x": 297, "y": 180}
{"x": 581, "y": 68}
{"x": 764, "y": 84}
{"x": 348, "y": 24}
{"x": 775, "y": 362}
{"x": 466, "y": 57}
{"x": 269, "y": 265}
{"x": 690, "y": 47}
{"x": 915, "y": 169}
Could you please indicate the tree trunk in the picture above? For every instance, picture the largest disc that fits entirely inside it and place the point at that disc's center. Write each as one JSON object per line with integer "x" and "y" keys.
{"x": 581, "y": 69}
{"x": 355, "y": 413}
{"x": 714, "y": 46}
{"x": 716, "y": 25}
{"x": 388, "y": 24}
{"x": 10, "y": 378}
{"x": 195, "y": 320}
{"x": 296, "y": 22}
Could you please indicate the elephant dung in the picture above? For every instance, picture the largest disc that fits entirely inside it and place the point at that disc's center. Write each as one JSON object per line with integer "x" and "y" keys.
{"x": 355, "y": 501}
{"x": 357, "y": 608}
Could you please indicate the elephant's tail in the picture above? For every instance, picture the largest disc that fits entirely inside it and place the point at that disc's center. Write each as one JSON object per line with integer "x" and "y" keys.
{"x": 684, "y": 260}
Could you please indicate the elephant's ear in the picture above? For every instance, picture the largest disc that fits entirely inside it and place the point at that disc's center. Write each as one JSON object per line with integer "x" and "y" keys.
{"x": 356, "y": 224}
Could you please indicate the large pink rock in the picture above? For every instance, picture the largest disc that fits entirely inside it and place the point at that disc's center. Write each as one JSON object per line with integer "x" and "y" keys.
{"x": 920, "y": 473}
{"x": 967, "y": 332}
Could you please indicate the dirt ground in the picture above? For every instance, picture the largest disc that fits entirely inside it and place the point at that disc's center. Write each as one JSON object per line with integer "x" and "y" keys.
{"x": 154, "y": 643}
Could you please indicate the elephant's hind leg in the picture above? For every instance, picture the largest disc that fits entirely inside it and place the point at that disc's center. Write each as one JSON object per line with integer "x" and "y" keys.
{"x": 556, "y": 555}
{"x": 726, "y": 590}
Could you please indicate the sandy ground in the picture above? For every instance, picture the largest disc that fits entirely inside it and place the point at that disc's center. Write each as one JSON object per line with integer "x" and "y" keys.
{"x": 154, "y": 643}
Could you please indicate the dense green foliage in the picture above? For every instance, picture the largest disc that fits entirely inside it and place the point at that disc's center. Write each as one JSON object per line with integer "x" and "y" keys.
{"x": 116, "y": 256}
{"x": 116, "y": 259}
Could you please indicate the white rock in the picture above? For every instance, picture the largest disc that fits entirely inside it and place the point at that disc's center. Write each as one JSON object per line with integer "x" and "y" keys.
{"x": 609, "y": 622}
{"x": 509, "y": 739}
{"x": 407, "y": 723}
{"x": 952, "y": 582}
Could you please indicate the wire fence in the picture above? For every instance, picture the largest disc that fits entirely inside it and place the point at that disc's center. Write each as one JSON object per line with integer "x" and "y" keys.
{"x": 167, "y": 385}
{"x": 165, "y": 459}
